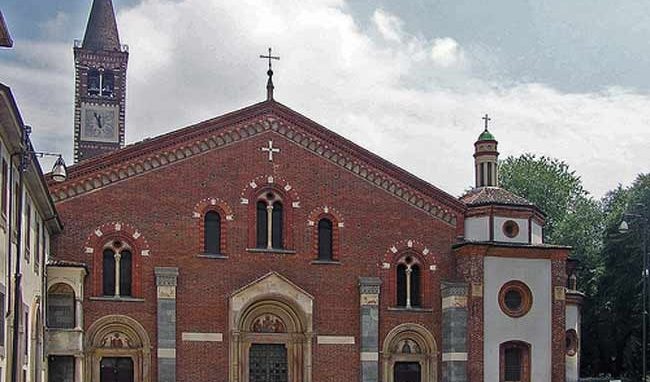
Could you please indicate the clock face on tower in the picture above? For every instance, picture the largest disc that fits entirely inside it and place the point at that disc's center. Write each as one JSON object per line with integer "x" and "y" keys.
{"x": 99, "y": 123}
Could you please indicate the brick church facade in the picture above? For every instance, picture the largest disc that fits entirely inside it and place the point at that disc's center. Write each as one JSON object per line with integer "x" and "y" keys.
{"x": 260, "y": 246}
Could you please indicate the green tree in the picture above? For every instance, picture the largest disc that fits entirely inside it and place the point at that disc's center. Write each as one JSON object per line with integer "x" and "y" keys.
{"x": 619, "y": 303}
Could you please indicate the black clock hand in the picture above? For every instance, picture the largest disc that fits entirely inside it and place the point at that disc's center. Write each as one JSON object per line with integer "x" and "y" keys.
{"x": 98, "y": 118}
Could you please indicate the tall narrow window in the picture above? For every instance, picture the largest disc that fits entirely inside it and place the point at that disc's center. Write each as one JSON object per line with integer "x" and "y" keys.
{"x": 5, "y": 184}
{"x": 489, "y": 174}
{"x": 408, "y": 283}
{"x": 125, "y": 273}
{"x": 109, "y": 272}
{"x": 37, "y": 246}
{"x": 325, "y": 239}
{"x": 26, "y": 335}
{"x": 93, "y": 82}
{"x": 212, "y": 232}
{"x": 3, "y": 312}
{"x": 415, "y": 285}
{"x": 401, "y": 285}
{"x": 262, "y": 225}
{"x": 28, "y": 231}
{"x": 277, "y": 225}
{"x": 108, "y": 83}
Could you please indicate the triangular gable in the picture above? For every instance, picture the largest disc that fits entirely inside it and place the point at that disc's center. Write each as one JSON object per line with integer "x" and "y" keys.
{"x": 257, "y": 119}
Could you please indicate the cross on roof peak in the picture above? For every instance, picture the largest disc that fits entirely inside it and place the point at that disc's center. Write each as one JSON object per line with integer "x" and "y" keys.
{"x": 269, "y": 83}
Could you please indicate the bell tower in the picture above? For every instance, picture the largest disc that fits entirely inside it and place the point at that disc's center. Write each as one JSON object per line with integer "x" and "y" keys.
{"x": 486, "y": 158}
{"x": 100, "y": 85}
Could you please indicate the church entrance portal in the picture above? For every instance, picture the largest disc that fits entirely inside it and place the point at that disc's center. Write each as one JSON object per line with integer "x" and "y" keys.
{"x": 116, "y": 369}
{"x": 268, "y": 363}
{"x": 407, "y": 372}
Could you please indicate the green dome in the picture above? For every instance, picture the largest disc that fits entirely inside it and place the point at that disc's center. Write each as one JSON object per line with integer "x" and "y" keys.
{"x": 486, "y": 136}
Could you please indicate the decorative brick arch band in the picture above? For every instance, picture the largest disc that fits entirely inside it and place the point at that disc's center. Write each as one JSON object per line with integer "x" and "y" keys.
{"x": 126, "y": 233}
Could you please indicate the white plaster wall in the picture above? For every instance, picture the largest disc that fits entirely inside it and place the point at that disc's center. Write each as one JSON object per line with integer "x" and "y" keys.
{"x": 537, "y": 235}
{"x": 522, "y": 237}
{"x": 573, "y": 322}
{"x": 477, "y": 229}
{"x": 534, "y": 327}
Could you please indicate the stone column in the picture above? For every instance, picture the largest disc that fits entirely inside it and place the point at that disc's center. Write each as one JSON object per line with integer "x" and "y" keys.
{"x": 166, "y": 288}
{"x": 454, "y": 331}
{"x": 369, "y": 298}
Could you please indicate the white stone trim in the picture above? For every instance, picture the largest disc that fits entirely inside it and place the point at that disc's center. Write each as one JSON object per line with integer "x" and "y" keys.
{"x": 454, "y": 302}
{"x": 166, "y": 353}
{"x": 202, "y": 337}
{"x": 335, "y": 340}
{"x": 456, "y": 356}
{"x": 369, "y": 356}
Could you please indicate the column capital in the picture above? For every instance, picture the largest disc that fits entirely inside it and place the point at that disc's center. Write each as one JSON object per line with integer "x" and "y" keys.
{"x": 166, "y": 276}
{"x": 453, "y": 288}
{"x": 369, "y": 285}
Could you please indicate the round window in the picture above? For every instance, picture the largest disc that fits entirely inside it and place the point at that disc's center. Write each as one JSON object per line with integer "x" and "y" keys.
{"x": 571, "y": 342}
{"x": 515, "y": 298}
{"x": 510, "y": 228}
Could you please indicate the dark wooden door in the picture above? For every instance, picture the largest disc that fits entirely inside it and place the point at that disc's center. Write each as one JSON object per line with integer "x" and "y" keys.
{"x": 116, "y": 369}
{"x": 407, "y": 372}
{"x": 267, "y": 363}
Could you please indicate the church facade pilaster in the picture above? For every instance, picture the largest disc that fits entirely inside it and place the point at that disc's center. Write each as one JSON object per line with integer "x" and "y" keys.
{"x": 166, "y": 281}
{"x": 454, "y": 331}
{"x": 369, "y": 288}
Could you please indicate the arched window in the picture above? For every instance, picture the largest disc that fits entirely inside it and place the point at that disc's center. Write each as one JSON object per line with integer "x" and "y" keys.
{"x": 270, "y": 211}
{"x": 93, "y": 82}
{"x": 60, "y": 307}
{"x": 212, "y": 233}
{"x": 324, "y": 239}
{"x": 117, "y": 270}
{"x": 408, "y": 283}
{"x": 514, "y": 362}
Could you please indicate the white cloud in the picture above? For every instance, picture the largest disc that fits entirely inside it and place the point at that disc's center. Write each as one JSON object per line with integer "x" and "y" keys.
{"x": 446, "y": 52}
{"x": 388, "y": 25}
{"x": 396, "y": 94}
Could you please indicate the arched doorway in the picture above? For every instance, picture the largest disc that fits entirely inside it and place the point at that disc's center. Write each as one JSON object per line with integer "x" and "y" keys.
{"x": 409, "y": 355}
{"x": 117, "y": 350}
{"x": 271, "y": 332}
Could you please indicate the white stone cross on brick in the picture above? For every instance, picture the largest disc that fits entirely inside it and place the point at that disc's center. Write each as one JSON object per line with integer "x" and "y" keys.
{"x": 271, "y": 150}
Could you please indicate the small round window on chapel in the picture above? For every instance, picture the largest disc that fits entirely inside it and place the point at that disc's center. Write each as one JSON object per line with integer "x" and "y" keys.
{"x": 511, "y": 229}
{"x": 515, "y": 298}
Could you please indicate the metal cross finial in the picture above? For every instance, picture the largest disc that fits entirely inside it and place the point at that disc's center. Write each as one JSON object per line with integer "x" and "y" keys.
{"x": 269, "y": 83}
{"x": 271, "y": 150}
{"x": 270, "y": 57}
{"x": 487, "y": 120}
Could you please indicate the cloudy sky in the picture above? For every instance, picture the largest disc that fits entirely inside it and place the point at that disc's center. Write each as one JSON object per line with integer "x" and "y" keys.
{"x": 409, "y": 80}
